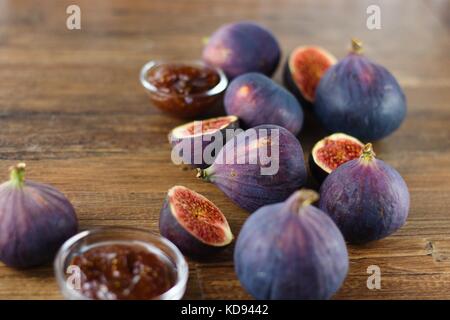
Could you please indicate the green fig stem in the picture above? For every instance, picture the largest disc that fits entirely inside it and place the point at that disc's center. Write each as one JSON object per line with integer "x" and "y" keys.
{"x": 205, "y": 40}
{"x": 17, "y": 174}
{"x": 357, "y": 46}
{"x": 202, "y": 174}
{"x": 307, "y": 197}
{"x": 367, "y": 153}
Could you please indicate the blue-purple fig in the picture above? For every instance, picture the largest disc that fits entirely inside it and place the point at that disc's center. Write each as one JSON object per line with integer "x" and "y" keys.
{"x": 242, "y": 47}
{"x": 197, "y": 143}
{"x": 291, "y": 250}
{"x": 366, "y": 198}
{"x": 260, "y": 166}
{"x": 35, "y": 220}
{"x": 193, "y": 223}
{"x": 303, "y": 70}
{"x": 360, "y": 98}
{"x": 257, "y": 99}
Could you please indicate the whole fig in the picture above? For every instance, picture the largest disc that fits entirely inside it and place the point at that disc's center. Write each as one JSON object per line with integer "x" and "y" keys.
{"x": 35, "y": 220}
{"x": 242, "y": 47}
{"x": 366, "y": 198}
{"x": 291, "y": 250}
{"x": 257, "y": 99}
{"x": 360, "y": 98}
{"x": 259, "y": 166}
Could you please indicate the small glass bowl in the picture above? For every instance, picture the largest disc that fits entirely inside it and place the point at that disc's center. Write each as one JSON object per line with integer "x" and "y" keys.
{"x": 181, "y": 105}
{"x": 85, "y": 240}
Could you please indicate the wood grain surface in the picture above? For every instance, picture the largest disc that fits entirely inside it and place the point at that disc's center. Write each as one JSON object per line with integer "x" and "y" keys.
{"x": 72, "y": 107}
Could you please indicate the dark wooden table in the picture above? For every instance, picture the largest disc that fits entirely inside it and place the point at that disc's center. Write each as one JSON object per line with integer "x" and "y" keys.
{"x": 72, "y": 107}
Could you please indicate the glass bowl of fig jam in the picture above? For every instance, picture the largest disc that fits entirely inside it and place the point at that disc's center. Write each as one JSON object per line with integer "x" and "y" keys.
{"x": 118, "y": 263}
{"x": 185, "y": 88}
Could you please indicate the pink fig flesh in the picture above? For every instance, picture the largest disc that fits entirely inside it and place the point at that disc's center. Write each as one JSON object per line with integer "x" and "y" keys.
{"x": 207, "y": 126}
{"x": 306, "y": 66}
{"x": 193, "y": 223}
{"x": 199, "y": 137}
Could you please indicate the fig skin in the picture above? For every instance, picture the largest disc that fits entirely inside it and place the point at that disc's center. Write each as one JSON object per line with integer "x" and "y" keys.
{"x": 290, "y": 85}
{"x": 188, "y": 244}
{"x": 257, "y": 99}
{"x": 243, "y": 182}
{"x": 291, "y": 250}
{"x": 317, "y": 172}
{"x": 360, "y": 98}
{"x": 242, "y": 47}
{"x": 288, "y": 79}
{"x": 35, "y": 220}
{"x": 204, "y": 140}
{"x": 366, "y": 198}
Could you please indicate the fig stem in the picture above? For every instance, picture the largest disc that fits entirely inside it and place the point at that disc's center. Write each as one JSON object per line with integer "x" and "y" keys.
{"x": 307, "y": 197}
{"x": 357, "y": 46}
{"x": 201, "y": 174}
{"x": 367, "y": 153}
{"x": 17, "y": 174}
{"x": 205, "y": 40}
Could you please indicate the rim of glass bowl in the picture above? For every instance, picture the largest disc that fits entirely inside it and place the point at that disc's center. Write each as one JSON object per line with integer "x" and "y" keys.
{"x": 65, "y": 251}
{"x": 217, "y": 89}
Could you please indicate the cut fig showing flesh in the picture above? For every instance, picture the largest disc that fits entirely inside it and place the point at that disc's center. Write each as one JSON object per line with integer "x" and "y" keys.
{"x": 203, "y": 127}
{"x": 331, "y": 152}
{"x": 193, "y": 223}
{"x": 196, "y": 136}
{"x": 304, "y": 69}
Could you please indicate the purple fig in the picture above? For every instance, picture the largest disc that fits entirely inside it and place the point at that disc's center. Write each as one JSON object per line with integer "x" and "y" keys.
{"x": 291, "y": 250}
{"x": 367, "y": 198}
{"x": 242, "y": 47}
{"x": 259, "y": 166}
{"x": 257, "y": 99}
{"x": 198, "y": 142}
{"x": 35, "y": 220}
{"x": 193, "y": 223}
{"x": 360, "y": 98}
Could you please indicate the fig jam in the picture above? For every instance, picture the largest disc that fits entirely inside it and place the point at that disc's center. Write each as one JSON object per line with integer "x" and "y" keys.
{"x": 124, "y": 272}
{"x": 183, "y": 79}
{"x": 183, "y": 89}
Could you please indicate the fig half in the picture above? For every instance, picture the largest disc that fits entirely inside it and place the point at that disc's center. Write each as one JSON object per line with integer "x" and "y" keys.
{"x": 193, "y": 223}
{"x": 197, "y": 143}
{"x": 304, "y": 69}
{"x": 332, "y": 151}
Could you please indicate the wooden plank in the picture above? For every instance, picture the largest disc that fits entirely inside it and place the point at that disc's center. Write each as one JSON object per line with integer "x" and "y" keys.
{"x": 72, "y": 107}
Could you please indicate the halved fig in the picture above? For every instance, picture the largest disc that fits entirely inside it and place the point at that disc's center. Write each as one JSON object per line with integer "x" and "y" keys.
{"x": 193, "y": 223}
{"x": 304, "y": 69}
{"x": 332, "y": 151}
{"x": 195, "y": 143}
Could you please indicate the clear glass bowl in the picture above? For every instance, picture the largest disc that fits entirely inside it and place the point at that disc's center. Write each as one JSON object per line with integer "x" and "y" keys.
{"x": 85, "y": 240}
{"x": 182, "y": 105}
